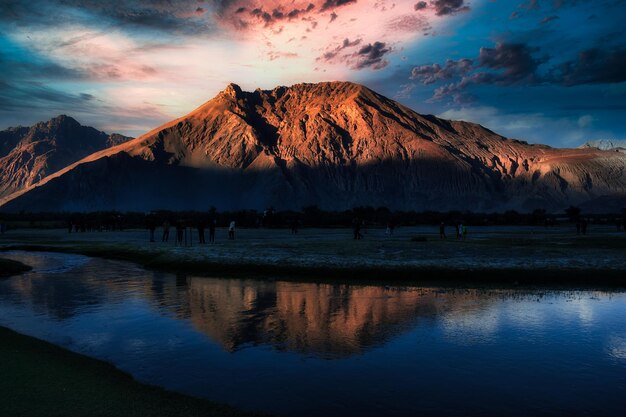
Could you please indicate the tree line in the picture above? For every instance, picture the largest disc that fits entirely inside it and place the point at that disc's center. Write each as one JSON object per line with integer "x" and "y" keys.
{"x": 310, "y": 216}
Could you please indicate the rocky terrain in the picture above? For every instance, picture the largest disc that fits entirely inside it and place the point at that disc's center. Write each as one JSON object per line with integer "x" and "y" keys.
{"x": 605, "y": 144}
{"x": 336, "y": 145}
{"x": 29, "y": 154}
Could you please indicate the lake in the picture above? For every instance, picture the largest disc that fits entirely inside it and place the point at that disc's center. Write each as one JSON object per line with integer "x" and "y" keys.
{"x": 331, "y": 349}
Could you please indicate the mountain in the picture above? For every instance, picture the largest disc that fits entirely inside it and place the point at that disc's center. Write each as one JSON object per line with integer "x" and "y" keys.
{"x": 29, "y": 154}
{"x": 333, "y": 144}
{"x": 605, "y": 144}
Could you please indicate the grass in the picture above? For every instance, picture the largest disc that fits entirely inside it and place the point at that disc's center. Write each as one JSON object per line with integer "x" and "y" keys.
{"x": 496, "y": 256}
{"x": 40, "y": 379}
{"x": 9, "y": 267}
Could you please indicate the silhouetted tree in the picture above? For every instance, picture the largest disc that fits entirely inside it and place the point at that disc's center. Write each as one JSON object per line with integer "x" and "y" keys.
{"x": 573, "y": 213}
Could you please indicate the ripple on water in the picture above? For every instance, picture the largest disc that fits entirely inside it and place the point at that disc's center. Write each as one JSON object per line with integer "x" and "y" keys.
{"x": 48, "y": 262}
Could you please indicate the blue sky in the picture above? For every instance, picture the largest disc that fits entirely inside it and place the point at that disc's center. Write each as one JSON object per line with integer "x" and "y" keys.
{"x": 549, "y": 71}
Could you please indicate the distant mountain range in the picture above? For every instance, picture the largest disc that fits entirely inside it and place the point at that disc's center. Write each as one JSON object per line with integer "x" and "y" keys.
{"x": 336, "y": 145}
{"x": 605, "y": 144}
{"x": 29, "y": 154}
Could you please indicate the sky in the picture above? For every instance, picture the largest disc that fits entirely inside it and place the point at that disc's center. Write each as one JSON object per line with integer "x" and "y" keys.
{"x": 544, "y": 71}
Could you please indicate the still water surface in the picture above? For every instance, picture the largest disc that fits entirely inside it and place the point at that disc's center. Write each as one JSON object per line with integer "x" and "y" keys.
{"x": 318, "y": 349}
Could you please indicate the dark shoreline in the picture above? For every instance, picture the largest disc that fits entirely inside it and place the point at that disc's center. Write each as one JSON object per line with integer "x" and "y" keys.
{"x": 544, "y": 278}
{"x": 42, "y": 379}
{"x": 10, "y": 267}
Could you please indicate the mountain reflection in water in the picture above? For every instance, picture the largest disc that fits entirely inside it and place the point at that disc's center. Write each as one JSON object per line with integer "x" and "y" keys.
{"x": 308, "y": 349}
{"x": 329, "y": 320}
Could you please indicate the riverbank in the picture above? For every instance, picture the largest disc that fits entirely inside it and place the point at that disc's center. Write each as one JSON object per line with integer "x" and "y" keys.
{"x": 490, "y": 256}
{"x": 9, "y": 267}
{"x": 41, "y": 379}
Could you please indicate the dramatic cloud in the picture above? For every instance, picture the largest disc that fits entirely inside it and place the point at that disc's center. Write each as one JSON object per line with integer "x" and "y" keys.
{"x": 371, "y": 56}
{"x": 514, "y": 60}
{"x": 593, "y": 66}
{"x": 182, "y": 16}
{"x": 429, "y": 74}
{"x": 505, "y": 64}
{"x": 508, "y": 64}
{"x": 442, "y": 7}
{"x": 368, "y": 56}
{"x": 138, "y": 63}
{"x": 332, "y": 4}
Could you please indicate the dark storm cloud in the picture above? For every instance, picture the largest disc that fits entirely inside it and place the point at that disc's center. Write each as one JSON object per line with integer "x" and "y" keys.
{"x": 593, "y": 66}
{"x": 442, "y": 7}
{"x": 368, "y": 56}
{"x": 429, "y": 74}
{"x": 247, "y": 12}
{"x": 505, "y": 64}
{"x": 518, "y": 63}
{"x": 182, "y": 16}
{"x": 446, "y": 7}
{"x": 514, "y": 60}
{"x": 329, "y": 56}
{"x": 243, "y": 13}
{"x": 371, "y": 56}
{"x": 333, "y": 4}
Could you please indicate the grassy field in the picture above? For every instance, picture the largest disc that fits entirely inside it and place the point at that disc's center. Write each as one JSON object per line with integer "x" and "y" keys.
{"x": 40, "y": 379}
{"x": 510, "y": 255}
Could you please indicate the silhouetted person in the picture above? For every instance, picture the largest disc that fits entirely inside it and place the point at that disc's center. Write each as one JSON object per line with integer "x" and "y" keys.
{"x": 459, "y": 230}
{"x": 69, "y": 226}
{"x": 356, "y": 228}
{"x": 390, "y": 227}
{"x": 231, "y": 230}
{"x": 294, "y": 227}
{"x": 583, "y": 226}
{"x": 151, "y": 225}
{"x": 201, "y": 227}
{"x": 180, "y": 231}
{"x": 166, "y": 231}
{"x": 212, "y": 224}
{"x": 578, "y": 226}
{"x": 442, "y": 230}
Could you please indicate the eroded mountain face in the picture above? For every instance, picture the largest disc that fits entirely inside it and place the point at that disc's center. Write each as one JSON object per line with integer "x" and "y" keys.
{"x": 336, "y": 145}
{"x": 29, "y": 154}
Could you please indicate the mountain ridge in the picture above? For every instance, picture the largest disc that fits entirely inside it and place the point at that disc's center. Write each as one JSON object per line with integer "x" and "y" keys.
{"x": 31, "y": 153}
{"x": 333, "y": 144}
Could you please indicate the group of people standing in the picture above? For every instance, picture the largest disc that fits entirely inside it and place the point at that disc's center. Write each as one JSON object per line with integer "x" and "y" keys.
{"x": 461, "y": 230}
{"x": 184, "y": 231}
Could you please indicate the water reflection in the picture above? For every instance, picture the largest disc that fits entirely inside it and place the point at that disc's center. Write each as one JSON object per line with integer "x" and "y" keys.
{"x": 328, "y": 320}
{"x": 303, "y": 317}
{"x": 331, "y": 349}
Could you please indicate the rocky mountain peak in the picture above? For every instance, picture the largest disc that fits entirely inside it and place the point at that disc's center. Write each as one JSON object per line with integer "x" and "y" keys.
{"x": 233, "y": 91}
{"x": 333, "y": 144}
{"x": 28, "y": 154}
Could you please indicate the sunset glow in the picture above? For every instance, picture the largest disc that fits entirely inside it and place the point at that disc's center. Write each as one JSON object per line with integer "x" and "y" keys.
{"x": 515, "y": 66}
